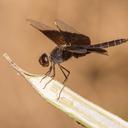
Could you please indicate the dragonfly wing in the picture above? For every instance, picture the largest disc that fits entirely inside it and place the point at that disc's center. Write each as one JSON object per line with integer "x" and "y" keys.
{"x": 51, "y": 33}
{"x": 78, "y": 51}
{"x": 75, "y": 49}
{"x": 64, "y": 27}
{"x": 71, "y": 36}
{"x": 85, "y": 50}
{"x": 97, "y": 50}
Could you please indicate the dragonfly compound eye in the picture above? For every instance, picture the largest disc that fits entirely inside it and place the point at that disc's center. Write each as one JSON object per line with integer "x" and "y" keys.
{"x": 44, "y": 60}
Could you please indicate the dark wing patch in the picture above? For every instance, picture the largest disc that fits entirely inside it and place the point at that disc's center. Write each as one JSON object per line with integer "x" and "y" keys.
{"x": 76, "y": 49}
{"x": 61, "y": 37}
{"x": 72, "y": 36}
{"x": 82, "y": 50}
{"x": 51, "y": 33}
{"x": 76, "y": 39}
{"x": 55, "y": 36}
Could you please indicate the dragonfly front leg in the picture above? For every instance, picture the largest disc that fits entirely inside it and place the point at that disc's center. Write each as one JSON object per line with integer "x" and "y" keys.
{"x": 52, "y": 77}
{"x": 47, "y": 73}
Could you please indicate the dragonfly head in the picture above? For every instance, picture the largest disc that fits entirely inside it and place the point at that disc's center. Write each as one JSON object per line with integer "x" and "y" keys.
{"x": 44, "y": 60}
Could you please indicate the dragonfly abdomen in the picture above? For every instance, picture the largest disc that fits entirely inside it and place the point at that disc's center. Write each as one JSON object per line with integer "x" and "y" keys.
{"x": 110, "y": 43}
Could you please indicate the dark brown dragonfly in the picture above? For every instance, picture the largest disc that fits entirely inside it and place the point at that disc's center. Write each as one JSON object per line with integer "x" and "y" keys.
{"x": 69, "y": 43}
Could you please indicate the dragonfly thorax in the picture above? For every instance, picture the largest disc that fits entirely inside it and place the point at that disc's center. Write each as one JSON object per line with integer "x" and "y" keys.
{"x": 59, "y": 55}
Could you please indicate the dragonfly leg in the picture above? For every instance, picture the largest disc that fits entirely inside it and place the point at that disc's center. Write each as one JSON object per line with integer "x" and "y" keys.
{"x": 52, "y": 76}
{"x": 47, "y": 73}
{"x": 66, "y": 77}
{"x": 68, "y": 73}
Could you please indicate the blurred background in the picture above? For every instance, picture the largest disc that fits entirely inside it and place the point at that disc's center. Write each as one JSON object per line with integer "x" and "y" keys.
{"x": 101, "y": 79}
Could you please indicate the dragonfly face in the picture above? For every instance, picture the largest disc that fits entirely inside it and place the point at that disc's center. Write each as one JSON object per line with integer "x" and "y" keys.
{"x": 44, "y": 60}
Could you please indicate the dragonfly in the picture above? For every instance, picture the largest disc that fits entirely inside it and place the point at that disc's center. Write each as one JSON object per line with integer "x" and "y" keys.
{"x": 69, "y": 43}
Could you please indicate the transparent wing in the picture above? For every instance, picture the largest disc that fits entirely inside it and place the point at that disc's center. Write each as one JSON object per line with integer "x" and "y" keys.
{"x": 39, "y": 25}
{"x": 71, "y": 36}
{"x": 51, "y": 33}
{"x": 65, "y": 27}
